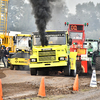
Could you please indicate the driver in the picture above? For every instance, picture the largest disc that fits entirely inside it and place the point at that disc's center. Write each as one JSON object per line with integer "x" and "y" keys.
{"x": 77, "y": 36}
{"x": 90, "y": 46}
{"x": 24, "y": 42}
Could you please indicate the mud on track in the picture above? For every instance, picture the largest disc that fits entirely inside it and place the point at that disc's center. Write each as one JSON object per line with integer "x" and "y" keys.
{"x": 2, "y": 75}
{"x": 18, "y": 85}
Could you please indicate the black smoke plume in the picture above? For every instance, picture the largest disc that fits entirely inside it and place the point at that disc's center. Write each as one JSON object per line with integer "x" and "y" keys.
{"x": 42, "y": 14}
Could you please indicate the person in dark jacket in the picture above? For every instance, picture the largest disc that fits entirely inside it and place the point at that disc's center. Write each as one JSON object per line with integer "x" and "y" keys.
{"x": 6, "y": 52}
{"x": 0, "y": 52}
{"x": 6, "y": 55}
{"x": 2, "y": 55}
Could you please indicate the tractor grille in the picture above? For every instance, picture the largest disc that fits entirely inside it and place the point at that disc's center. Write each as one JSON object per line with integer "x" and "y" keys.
{"x": 47, "y": 55}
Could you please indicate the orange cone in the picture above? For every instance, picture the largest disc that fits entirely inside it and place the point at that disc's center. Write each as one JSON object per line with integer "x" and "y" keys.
{"x": 42, "y": 88}
{"x": 1, "y": 91}
{"x": 75, "y": 86}
{"x": 1, "y": 98}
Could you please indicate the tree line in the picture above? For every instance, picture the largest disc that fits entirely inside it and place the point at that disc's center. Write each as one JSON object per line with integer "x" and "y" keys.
{"x": 20, "y": 17}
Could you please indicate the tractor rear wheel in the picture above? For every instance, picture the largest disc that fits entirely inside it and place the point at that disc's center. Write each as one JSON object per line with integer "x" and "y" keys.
{"x": 97, "y": 66}
{"x": 89, "y": 65}
{"x": 79, "y": 68}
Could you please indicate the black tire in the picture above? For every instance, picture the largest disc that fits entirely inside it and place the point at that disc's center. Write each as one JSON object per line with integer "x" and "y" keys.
{"x": 67, "y": 68}
{"x": 16, "y": 67}
{"x": 89, "y": 65}
{"x": 79, "y": 68}
{"x": 43, "y": 72}
{"x": 67, "y": 71}
{"x": 97, "y": 66}
{"x": 11, "y": 67}
{"x": 33, "y": 71}
{"x": 21, "y": 67}
{"x": 73, "y": 72}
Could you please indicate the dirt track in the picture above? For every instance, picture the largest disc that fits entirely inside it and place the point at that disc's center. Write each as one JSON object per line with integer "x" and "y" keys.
{"x": 20, "y": 84}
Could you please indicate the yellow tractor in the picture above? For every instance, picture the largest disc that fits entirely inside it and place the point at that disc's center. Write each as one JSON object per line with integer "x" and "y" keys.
{"x": 21, "y": 58}
{"x": 55, "y": 55}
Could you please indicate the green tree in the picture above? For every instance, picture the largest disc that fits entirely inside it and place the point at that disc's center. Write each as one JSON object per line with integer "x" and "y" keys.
{"x": 20, "y": 17}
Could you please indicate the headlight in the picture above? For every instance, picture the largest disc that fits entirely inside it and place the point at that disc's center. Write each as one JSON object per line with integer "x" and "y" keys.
{"x": 61, "y": 58}
{"x": 16, "y": 49}
{"x": 34, "y": 60}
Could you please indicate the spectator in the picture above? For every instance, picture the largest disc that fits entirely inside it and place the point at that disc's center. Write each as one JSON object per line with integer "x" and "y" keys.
{"x": 6, "y": 53}
{"x": 2, "y": 51}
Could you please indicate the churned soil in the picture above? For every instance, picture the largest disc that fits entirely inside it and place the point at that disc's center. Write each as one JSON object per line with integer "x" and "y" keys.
{"x": 2, "y": 75}
{"x": 17, "y": 84}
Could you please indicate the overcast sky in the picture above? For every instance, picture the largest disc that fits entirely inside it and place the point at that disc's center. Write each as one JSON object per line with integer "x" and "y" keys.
{"x": 72, "y": 3}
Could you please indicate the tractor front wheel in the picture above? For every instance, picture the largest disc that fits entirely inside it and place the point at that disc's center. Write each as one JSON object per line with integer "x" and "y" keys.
{"x": 16, "y": 67}
{"x": 67, "y": 68}
{"x": 11, "y": 67}
{"x": 33, "y": 71}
